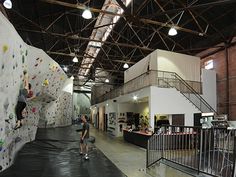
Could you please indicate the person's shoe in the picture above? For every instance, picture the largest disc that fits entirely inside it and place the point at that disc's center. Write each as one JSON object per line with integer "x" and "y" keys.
{"x": 80, "y": 153}
{"x": 86, "y": 157}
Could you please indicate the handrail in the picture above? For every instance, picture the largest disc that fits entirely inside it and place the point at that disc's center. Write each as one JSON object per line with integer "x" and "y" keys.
{"x": 151, "y": 74}
{"x": 194, "y": 91}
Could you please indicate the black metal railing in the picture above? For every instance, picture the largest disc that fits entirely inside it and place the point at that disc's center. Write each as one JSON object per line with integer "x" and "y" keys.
{"x": 186, "y": 88}
{"x": 210, "y": 151}
{"x": 149, "y": 78}
{"x": 189, "y": 89}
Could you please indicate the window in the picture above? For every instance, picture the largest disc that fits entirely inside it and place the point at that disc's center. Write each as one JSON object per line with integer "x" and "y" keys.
{"x": 209, "y": 64}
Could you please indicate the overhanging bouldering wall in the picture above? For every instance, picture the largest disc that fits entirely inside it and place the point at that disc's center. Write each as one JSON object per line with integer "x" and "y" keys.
{"x": 47, "y": 80}
{"x": 58, "y": 113}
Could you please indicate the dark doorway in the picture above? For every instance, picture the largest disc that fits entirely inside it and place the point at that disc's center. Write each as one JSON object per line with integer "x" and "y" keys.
{"x": 105, "y": 123}
{"x": 98, "y": 120}
{"x": 197, "y": 117}
{"x": 178, "y": 119}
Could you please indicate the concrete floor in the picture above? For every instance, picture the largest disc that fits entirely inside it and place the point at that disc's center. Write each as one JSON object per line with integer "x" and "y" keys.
{"x": 55, "y": 153}
{"x": 47, "y": 155}
{"x": 130, "y": 159}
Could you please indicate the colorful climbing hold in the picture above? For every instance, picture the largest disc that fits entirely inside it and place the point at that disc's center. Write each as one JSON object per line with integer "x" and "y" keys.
{"x": 33, "y": 110}
{"x": 4, "y": 48}
{"x": 45, "y": 82}
{"x": 11, "y": 116}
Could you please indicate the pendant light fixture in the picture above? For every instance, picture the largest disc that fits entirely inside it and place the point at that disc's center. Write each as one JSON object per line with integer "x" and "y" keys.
{"x": 7, "y": 4}
{"x": 65, "y": 69}
{"x": 172, "y": 31}
{"x": 75, "y": 60}
{"x": 87, "y": 14}
{"x": 125, "y": 66}
{"x": 107, "y": 81}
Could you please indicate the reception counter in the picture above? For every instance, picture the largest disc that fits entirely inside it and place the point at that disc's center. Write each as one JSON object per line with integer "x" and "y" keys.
{"x": 136, "y": 137}
{"x": 172, "y": 140}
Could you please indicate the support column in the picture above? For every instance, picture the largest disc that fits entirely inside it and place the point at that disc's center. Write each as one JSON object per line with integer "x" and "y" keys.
{"x": 227, "y": 109}
{"x": 151, "y": 109}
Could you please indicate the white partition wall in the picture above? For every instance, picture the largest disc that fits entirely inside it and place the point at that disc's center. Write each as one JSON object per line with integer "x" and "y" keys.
{"x": 170, "y": 101}
{"x": 188, "y": 67}
{"x": 148, "y": 63}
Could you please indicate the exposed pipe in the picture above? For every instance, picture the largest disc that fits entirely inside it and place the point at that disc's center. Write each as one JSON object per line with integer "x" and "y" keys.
{"x": 227, "y": 109}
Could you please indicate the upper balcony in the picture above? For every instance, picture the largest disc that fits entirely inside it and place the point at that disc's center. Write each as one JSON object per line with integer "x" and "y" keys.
{"x": 157, "y": 78}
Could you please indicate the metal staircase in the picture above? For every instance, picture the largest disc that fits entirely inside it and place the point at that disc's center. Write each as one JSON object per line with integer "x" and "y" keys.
{"x": 173, "y": 80}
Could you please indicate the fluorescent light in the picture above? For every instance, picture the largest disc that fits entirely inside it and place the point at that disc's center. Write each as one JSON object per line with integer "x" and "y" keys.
{"x": 7, "y": 4}
{"x": 87, "y": 14}
{"x": 65, "y": 68}
{"x": 172, "y": 32}
{"x": 107, "y": 80}
{"x": 125, "y": 66}
{"x": 75, "y": 60}
{"x": 135, "y": 97}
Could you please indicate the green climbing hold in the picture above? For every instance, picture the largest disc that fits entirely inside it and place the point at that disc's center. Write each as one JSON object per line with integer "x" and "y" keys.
{"x": 1, "y": 143}
{"x": 26, "y": 52}
{"x": 11, "y": 116}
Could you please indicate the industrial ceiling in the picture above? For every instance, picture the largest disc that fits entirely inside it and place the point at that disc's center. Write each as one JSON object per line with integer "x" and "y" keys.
{"x": 120, "y": 31}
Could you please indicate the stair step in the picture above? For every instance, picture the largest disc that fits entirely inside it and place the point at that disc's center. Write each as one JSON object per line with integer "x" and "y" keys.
{"x": 165, "y": 168}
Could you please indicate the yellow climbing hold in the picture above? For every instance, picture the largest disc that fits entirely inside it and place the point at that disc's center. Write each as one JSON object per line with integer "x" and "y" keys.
{"x": 4, "y": 48}
{"x": 62, "y": 77}
{"x": 45, "y": 82}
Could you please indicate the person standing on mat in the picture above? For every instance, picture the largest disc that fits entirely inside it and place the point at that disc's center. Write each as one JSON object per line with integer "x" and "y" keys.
{"x": 21, "y": 103}
{"x": 84, "y": 138}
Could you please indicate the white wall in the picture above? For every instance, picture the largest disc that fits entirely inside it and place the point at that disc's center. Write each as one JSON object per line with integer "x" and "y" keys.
{"x": 170, "y": 101}
{"x": 188, "y": 67}
{"x": 145, "y": 92}
{"x": 141, "y": 67}
{"x": 142, "y": 108}
{"x": 126, "y": 107}
{"x": 209, "y": 87}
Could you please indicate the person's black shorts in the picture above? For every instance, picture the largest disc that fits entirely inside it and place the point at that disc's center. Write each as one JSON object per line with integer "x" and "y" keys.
{"x": 84, "y": 141}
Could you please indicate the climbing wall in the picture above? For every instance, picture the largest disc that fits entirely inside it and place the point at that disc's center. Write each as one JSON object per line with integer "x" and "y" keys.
{"x": 59, "y": 113}
{"x": 47, "y": 80}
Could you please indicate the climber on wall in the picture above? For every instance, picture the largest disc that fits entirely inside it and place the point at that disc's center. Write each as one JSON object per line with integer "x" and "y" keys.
{"x": 30, "y": 95}
{"x": 21, "y": 103}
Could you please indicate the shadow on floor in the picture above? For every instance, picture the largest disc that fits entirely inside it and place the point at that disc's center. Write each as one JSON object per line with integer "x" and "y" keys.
{"x": 55, "y": 153}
